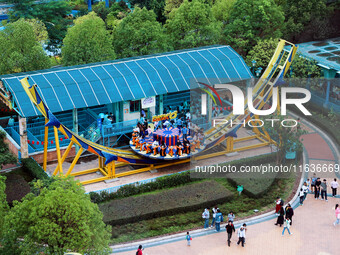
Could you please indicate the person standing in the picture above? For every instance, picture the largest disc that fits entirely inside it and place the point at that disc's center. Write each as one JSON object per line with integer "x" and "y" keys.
{"x": 337, "y": 215}
{"x": 280, "y": 218}
{"x": 334, "y": 186}
{"x": 185, "y": 132}
{"x": 205, "y": 216}
{"x": 278, "y": 205}
{"x": 140, "y": 250}
{"x": 231, "y": 217}
{"x": 218, "y": 220}
{"x": 313, "y": 183}
{"x": 323, "y": 186}
{"x": 289, "y": 214}
{"x": 229, "y": 228}
{"x": 214, "y": 210}
{"x": 241, "y": 233}
{"x": 188, "y": 237}
{"x": 317, "y": 188}
{"x": 305, "y": 190}
{"x": 286, "y": 225}
{"x": 301, "y": 196}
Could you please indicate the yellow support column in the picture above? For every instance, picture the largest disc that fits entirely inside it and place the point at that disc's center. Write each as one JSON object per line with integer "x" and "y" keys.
{"x": 74, "y": 161}
{"x": 58, "y": 149}
{"x": 113, "y": 169}
{"x": 64, "y": 157}
{"x": 45, "y": 145}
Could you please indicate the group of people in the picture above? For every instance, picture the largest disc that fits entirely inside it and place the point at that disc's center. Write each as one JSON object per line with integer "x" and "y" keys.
{"x": 285, "y": 215}
{"x": 320, "y": 187}
{"x": 107, "y": 118}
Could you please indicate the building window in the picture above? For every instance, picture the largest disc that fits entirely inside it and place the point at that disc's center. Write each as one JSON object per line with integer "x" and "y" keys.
{"x": 135, "y": 106}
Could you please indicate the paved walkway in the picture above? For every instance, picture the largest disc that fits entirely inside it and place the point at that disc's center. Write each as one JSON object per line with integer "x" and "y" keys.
{"x": 313, "y": 230}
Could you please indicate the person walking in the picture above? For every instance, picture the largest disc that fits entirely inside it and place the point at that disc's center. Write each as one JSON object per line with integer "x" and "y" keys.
{"x": 301, "y": 196}
{"x": 286, "y": 225}
{"x": 231, "y": 217}
{"x": 188, "y": 238}
{"x": 140, "y": 250}
{"x": 278, "y": 205}
{"x": 241, "y": 233}
{"x": 317, "y": 188}
{"x": 205, "y": 216}
{"x": 280, "y": 218}
{"x": 313, "y": 182}
{"x": 334, "y": 186}
{"x": 214, "y": 210}
{"x": 289, "y": 213}
{"x": 229, "y": 228}
{"x": 337, "y": 215}
{"x": 323, "y": 186}
{"x": 305, "y": 189}
{"x": 218, "y": 220}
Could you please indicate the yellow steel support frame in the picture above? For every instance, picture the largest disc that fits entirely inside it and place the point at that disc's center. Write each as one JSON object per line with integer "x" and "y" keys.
{"x": 58, "y": 149}
{"x": 69, "y": 147}
{"x": 45, "y": 145}
{"x": 74, "y": 161}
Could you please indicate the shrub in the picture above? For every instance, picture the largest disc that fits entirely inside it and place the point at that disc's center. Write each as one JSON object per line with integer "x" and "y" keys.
{"x": 34, "y": 169}
{"x": 164, "y": 203}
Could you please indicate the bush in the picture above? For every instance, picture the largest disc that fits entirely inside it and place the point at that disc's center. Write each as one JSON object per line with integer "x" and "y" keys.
{"x": 164, "y": 182}
{"x": 163, "y": 203}
{"x": 34, "y": 169}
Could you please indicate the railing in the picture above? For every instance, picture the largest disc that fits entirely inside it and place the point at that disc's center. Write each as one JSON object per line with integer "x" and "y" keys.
{"x": 118, "y": 128}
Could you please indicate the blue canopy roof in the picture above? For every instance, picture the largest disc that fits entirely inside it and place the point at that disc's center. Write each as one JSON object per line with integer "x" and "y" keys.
{"x": 127, "y": 79}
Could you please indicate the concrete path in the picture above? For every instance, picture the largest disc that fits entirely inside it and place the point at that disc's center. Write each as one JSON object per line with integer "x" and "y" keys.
{"x": 313, "y": 230}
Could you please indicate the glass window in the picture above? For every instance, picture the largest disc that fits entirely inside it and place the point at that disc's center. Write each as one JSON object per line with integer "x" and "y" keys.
{"x": 135, "y": 106}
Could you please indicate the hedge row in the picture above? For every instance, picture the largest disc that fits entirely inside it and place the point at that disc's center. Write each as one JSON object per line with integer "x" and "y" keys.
{"x": 164, "y": 182}
{"x": 166, "y": 202}
{"x": 34, "y": 169}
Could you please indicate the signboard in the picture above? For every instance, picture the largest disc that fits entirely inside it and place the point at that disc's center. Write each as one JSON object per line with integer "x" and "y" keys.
{"x": 148, "y": 102}
{"x": 126, "y": 108}
{"x": 171, "y": 115}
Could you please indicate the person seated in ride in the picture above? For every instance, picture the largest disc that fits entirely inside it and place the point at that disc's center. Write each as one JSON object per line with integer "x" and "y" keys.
{"x": 167, "y": 124}
{"x": 172, "y": 150}
{"x": 138, "y": 140}
{"x": 196, "y": 143}
{"x": 149, "y": 131}
{"x": 148, "y": 148}
{"x": 186, "y": 146}
{"x": 179, "y": 148}
{"x": 163, "y": 149}
{"x": 134, "y": 138}
{"x": 155, "y": 146}
{"x": 142, "y": 143}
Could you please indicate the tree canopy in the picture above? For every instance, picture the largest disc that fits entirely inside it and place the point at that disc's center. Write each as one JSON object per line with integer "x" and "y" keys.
{"x": 222, "y": 9}
{"x": 253, "y": 20}
{"x": 156, "y": 5}
{"x": 6, "y": 157}
{"x": 20, "y": 50}
{"x": 262, "y": 52}
{"x": 139, "y": 34}
{"x": 193, "y": 25}
{"x": 61, "y": 218}
{"x": 3, "y": 204}
{"x": 87, "y": 41}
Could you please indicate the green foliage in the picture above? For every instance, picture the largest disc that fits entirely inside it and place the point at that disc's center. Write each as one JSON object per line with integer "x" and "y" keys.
{"x": 302, "y": 67}
{"x": 166, "y": 202}
{"x": 39, "y": 29}
{"x": 298, "y": 14}
{"x": 87, "y": 41}
{"x": 34, "y": 169}
{"x": 131, "y": 190}
{"x": 61, "y": 218}
{"x": 222, "y": 9}
{"x": 157, "y": 6}
{"x": 6, "y": 157}
{"x": 3, "y": 203}
{"x": 171, "y": 5}
{"x": 20, "y": 51}
{"x": 193, "y": 25}
{"x": 262, "y": 52}
{"x": 139, "y": 34}
{"x": 253, "y": 20}
{"x": 116, "y": 14}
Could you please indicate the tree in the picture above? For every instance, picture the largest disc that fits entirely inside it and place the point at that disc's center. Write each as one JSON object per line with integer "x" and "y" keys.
{"x": 20, "y": 50}
{"x": 87, "y": 41}
{"x": 139, "y": 34}
{"x": 262, "y": 52}
{"x": 222, "y": 9}
{"x": 171, "y": 5}
{"x": 298, "y": 14}
{"x": 61, "y": 218}
{"x": 304, "y": 68}
{"x": 193, "y": 25}
{"x": 39, "y": 29}
{"x": 156, "y": 5}
{"x": 3, "y": 204}
{"x": 251, "y": 21}
{"x": 6, "y": 157}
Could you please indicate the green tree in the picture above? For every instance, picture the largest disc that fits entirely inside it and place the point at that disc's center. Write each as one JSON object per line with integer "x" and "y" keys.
{"x": 171, "y": 5}
{"x": 193, "y": 25}
{"x": 222, "y": 9}
{"x": 156, "y": 5}
{"x": 6, "y": 157}
{"x": 304, "y": 68}
{"x": 139, "y": 34}
{"x": 39, "y": 29}
{"x": 262, "y": 52}
{"x": 298, "y": 14}
{"x": 20, "y": 50}
{"x": 3, "y": 204}
{"x": 61, "y": 218}
{"x": 87, "y": 41}
{"x": 251, "y": 21}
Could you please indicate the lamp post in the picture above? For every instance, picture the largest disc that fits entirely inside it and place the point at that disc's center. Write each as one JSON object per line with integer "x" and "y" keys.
{"x": 258, "y": 72}
{"x": 253, "y": 62}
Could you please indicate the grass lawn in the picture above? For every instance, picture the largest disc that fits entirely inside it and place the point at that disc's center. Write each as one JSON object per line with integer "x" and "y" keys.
{"x": 242, "y": 206}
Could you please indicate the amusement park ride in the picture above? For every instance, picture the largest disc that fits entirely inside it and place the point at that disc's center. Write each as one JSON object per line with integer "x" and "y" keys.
{"x": 109, "y": 158}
